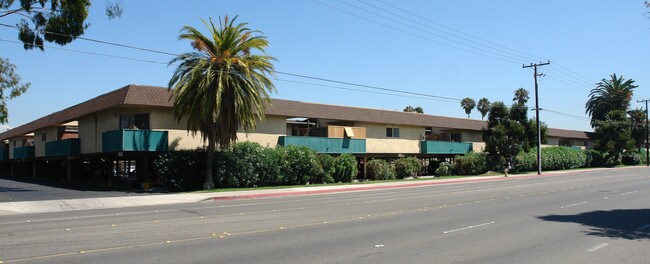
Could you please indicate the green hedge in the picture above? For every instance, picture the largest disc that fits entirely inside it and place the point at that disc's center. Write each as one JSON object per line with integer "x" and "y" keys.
{"x": 378, "y": 169}
{"x": 471, "y": 164}
{"x": 444, "y": 169}
{"x": 345, "y": 168}
{"x": 406, "y": 167}
{"x": 181, "y": 170}
{"x": 633, "y": 157}
{"x": 553, "y": 158}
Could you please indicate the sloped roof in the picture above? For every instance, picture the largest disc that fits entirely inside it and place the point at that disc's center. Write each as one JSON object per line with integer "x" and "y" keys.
{"x": 161, "y": 97}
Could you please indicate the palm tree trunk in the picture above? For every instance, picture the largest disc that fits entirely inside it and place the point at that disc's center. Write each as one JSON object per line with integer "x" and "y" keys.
{"x": 209, "y": 184}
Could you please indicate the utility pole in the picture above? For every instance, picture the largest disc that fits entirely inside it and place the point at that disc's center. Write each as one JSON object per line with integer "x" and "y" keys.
{"x": 647, "y": 151}
{"x": 539, "y": 130}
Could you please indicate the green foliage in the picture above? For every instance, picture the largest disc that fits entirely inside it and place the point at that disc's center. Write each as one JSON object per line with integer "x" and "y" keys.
{"x": 613, "y": 136}
{"x": 238, "y": 166}
{"x": 406, "y": 167}
{"x": 633, "y": 157}
{"x": 444, "y": 169}
{"x": 483, "y": 107}
{"x": 301, "y": 165}
{"x": 9, "y": 83}
{"x": 345, "y": 169}
{"x": 270, "y": 167}
{"x": 468, "y": 104}
{"x": 638, "y": 119}
{"x": 378, "y": 169}
{"x": 327, "y": 163}
{"x": 471, "y": 164}
{"x": 595, "y": 158}
{"x": 609, "y": 95}
{"x": 553, "y": 158}
{"x": 181, "y": 170}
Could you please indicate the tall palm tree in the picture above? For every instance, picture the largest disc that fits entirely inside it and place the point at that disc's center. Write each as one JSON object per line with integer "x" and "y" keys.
{"x": 409, "y": 109}
{"x": 521, "y": 97}
{"x": 221, "y": 86}
{"x": 468, "y": 104}
{"x": 483, "y": 107}
{"x": 612, "y": 94}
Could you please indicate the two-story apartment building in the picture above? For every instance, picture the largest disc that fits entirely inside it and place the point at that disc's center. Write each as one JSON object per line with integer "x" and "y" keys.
{"x": 116, "y": 136}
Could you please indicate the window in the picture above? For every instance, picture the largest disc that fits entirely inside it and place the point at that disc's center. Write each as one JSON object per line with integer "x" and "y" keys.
{"x": 134, "y": 121}
{"x": 392, "y": 132}
{"x": 457, "y": 137}
{"x": 43, "y": 136}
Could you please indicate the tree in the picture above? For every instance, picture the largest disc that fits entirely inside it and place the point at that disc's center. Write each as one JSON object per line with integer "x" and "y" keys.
{"x": 9, "y": 82}
{"x": 638, "y": 119}
{"x": 56, "y": 21}
{"x": 613, "y": 136}
{"x": 411, "y": 109}
{"x": 609, "y": 95}
{"x": 59, "y": 21}
{"x": 483, "y": 107}
{"x": 521, "y": 97}
{"x": 468, "y": 104}
{"x": 221, "y": 86}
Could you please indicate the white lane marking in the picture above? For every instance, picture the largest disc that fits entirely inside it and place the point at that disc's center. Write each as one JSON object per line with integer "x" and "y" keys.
{"x": 643, "y": 227}
{"x": 628, "y": 193}
{"x": 572, "y": 205}
{"x": 379, "y": 245}
{"x": 593, "y": 249}
{"x": 468, "y": 227}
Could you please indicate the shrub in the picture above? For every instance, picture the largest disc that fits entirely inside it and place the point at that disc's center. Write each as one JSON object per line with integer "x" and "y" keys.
{"x": 433, "y": 166}
{"x": 595, "y": 158}
{"x": 378, "y": 169}
{"x": 181, "y": 170}
{"x": 632, "y": 157}
{"x": 444, "y": 169}
{"x": 327, "y": 164}
{"x": 553, "y": 158}
{"x": 269, "y": 169}
{"x": 406, "y": 167}
{"x": 345, "y": 168}
{"x": 471, "y": 164}
{"x": 300, "y": 164}
{"x": 238, "y": 166}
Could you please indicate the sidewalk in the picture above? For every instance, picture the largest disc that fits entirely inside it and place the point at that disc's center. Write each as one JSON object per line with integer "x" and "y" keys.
{"x": 10, "y": 208}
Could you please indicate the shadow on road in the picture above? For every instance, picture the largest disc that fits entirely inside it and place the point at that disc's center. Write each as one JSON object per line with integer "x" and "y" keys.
{"x": 632, "y": 224}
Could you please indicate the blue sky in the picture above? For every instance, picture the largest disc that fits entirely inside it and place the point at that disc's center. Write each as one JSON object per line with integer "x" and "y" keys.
{"x": 354, "y": 41}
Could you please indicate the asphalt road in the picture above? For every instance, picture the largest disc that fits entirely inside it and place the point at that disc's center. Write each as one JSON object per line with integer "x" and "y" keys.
{"x": 594, "y": 217}
{"x": 21, "y": 189}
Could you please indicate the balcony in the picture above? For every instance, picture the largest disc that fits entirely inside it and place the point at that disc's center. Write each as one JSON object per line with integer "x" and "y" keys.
{"x": 24, "y": 152}
{"x": 445, "y": 147}
{"x": 134, "y": 140}
{"x": 66, "y": 147}
{"x": 326, "y": 145}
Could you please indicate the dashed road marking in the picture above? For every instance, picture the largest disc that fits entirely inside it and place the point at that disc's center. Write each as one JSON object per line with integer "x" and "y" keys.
{"x": 572, "y": 205}
{"x": 468, "y": 227}
{"x": 629, "y": 193}
{"x": 594, "y": 249}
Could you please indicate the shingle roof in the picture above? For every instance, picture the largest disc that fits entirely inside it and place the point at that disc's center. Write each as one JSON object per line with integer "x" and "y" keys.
{"x": 161, "y": 97}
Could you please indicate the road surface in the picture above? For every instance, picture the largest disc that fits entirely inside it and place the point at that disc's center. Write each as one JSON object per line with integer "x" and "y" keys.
{"x": 587, "y": 217}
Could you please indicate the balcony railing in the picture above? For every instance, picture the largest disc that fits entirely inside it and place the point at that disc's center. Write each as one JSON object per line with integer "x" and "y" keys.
{"x": 65, "y": 147}
{"x": 134, "y": 140}
{"x": 445, "y": 147}
{"x": 24, "y": 152}
{"x": 326, "y": 145}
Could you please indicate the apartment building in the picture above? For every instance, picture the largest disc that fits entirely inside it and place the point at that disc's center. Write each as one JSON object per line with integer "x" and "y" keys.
{"x": 116, "y": 136}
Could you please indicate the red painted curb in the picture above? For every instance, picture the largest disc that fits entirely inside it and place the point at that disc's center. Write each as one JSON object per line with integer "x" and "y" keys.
{"x": 388, "y": 186}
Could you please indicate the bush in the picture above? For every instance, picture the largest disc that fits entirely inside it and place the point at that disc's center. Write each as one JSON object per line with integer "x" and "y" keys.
{"x": 553, "y": 158}
{"x": 269, "y": 168}
{"x": 406, "y": 167}
{"x": 595, "y": 158}
{"x": 433, "y": 166}
{"x": 300, "y": 164}
{"x": 471, "y": 164}
{"x": 181, "y": 170}
{"x": 238, "y": 166}
{"x": 632, "y": 157}
{"x": 378, "y": 169}
{"x": 327, "y": 164}
{"x": 345, "y": 168}
{"x": 444, "y": 169}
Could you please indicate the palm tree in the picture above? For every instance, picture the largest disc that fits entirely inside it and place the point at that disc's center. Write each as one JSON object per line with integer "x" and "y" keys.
{"x": 521, "y": 97}
{"x": 468, "y": 104}
{"x": 409, "y": 109}
{"x": 419, "y": 110}
{"x": 221, "y": 86}
{"x": 483, "y": 107}
{"x": 612, "y": 94}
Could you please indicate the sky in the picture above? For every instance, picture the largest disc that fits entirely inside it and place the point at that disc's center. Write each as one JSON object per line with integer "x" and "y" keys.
{"x": 428, "y": 49}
